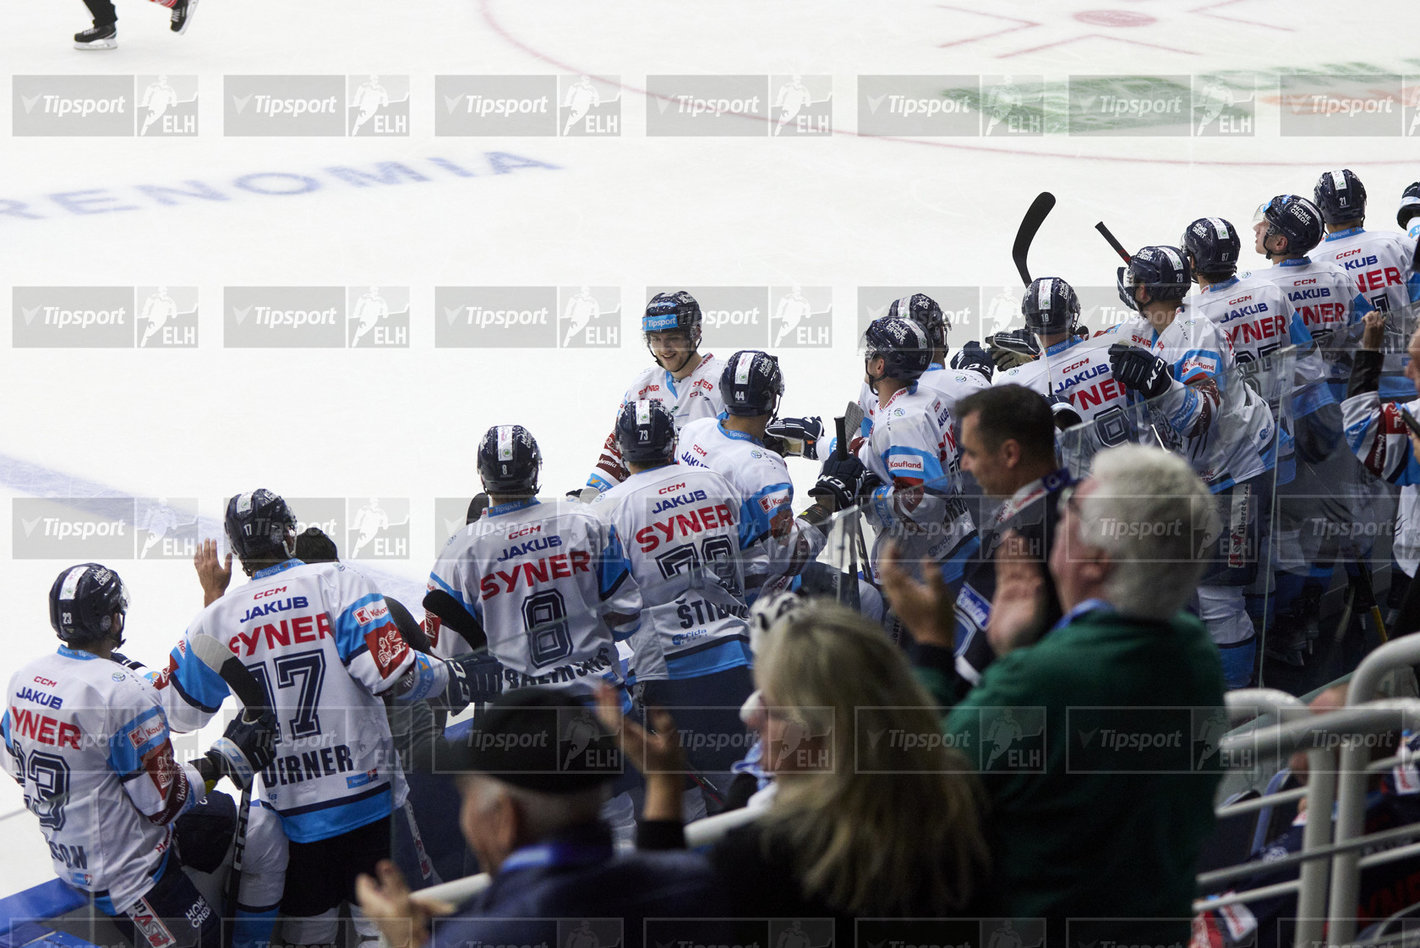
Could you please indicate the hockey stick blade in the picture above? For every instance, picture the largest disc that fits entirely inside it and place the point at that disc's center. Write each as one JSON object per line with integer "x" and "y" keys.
{"x": 853, "y": 419}
{"x": 1113, "y": 241}
{"x": 1035, "y": 216}
{"x": 220, "y": 659}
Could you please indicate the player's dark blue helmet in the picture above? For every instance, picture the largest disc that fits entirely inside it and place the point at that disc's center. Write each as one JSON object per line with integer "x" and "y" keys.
{"x": 1293, "y": 217}
{"x": 901, "y": 344}
{"x": 1162, "y": 271}
{"x": 673, "y": 312}
{"x": 509, "y": 460}
{"x": 1050, "y": 306}
{"x": 260, "y": 526}
{"x": 924, "y": 311}
{"x": 752, "y": 383}
{"x": 82, "y": 603}
{"x": 1409, "y": 204}
{"x": 645, "y": 432}
{"x": 1212, "y": 245}
{"x": 1341, "y": 196}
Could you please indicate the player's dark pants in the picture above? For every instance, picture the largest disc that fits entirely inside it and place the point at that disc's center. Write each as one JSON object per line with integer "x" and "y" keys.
{"x": 707, "y": 716}
{"x": 103, "y": 12}
{"x": 172, "y": 914}
{"x": 321, "y": 875}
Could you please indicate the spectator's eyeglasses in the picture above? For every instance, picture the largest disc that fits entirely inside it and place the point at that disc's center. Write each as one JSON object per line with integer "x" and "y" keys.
{"x": 1067, "y": 498}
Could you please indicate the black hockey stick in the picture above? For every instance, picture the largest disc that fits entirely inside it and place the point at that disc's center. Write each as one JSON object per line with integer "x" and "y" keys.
{"x": 1035, "y": 216}
{"x": 1113, "y": 241}
{"x": 252, "y": 695}
{"x": 848, "y": 592}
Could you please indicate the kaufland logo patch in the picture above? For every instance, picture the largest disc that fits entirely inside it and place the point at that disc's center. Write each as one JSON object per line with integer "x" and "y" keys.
{"x": 367, "y": 614}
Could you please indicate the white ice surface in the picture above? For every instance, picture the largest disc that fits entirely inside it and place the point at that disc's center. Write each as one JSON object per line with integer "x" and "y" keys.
{"x": 634, "y": 212}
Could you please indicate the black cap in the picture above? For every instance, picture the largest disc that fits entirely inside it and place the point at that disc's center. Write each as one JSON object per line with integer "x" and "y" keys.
{"x": 544, "y": 739}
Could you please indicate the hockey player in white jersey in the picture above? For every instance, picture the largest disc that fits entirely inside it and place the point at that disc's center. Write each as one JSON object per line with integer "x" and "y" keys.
{"x": 733, "y": 445}
{"x": 1217, "y": 422}
{"x": 693, "y": 558}
{"x": 682, "y": 379}
{"x": 1381, "y": 262}
{"x": 88, "y": 742}
{"x": 1287, "y": 229}
{"x": 1408, "y": 214}
{"x": 911, "y": 488}
{"x": 322, "y": 641}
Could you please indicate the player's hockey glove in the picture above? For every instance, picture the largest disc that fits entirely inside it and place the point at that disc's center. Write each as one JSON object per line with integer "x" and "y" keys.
{"x": 838, "y": 482}
{"x": 975, "y": 357}
{"x": 1010, "y": 349}
{"x": 1139, "y": 370}
{"x": 473, "y": 679}
{"x": 477, "y": 506}
{"x": 1064, "y": 413}
{"x": 245, "y": 748}
{"x": 800, "y": 435}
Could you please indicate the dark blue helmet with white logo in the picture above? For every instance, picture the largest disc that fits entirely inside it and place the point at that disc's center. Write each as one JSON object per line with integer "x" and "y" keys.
{"x": 1212, "y": 245}
{"x": 509, "y": 461}
{"x": 1409, "y": 204}
{"x": 924, "y": 311}
{"x": 82, "y": 603}
{"x": 673, "y": 312}
{"x": 901, "y": 344}
{"x": 1293, "y": 217}
{"x": 1050, "y": 306}
{"x": 752, "y": 383}
{"x": 1162, "y": 271}
{"x": 1341, "y": 196}
{"x": 260, "y": 526}
{"x": 645, "y": 431}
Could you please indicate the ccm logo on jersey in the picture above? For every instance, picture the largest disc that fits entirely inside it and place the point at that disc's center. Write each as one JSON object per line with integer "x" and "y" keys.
{"x": 672, "y": 488}
{"x": 268, "y": 592}
{"x": 530, "y": 528}
{"x": 47, "y": 682}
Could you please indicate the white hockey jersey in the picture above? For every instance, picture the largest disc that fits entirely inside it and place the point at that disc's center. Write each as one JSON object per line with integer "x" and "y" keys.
{"x": 919, "y": 506}
{"x": 1380, "y": 261}
{"x": 693, "y": 397}
{"x": 550, "y": 585}
{"x": 322, "y": 642}
{"x": 951, "y": 384}
{"x": 88, "y": 742}
{"x": 760, "y": 479}
{"x": 1325, "y": 296}
{"x": 692, "y": 556}
{"x": 1224, "y": 427}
